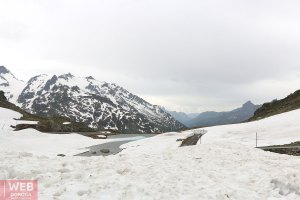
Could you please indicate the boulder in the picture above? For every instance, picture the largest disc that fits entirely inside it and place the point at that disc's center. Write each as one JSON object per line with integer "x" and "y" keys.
{"x": 105, "y": 150}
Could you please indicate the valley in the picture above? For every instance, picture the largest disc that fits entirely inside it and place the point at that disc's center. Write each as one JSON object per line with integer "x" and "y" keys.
{"x": 149, "y": 100}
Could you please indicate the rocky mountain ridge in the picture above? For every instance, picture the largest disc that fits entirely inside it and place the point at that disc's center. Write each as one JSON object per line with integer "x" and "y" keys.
{"x": 99, "y": 104}
{"x": 53, "y": 124}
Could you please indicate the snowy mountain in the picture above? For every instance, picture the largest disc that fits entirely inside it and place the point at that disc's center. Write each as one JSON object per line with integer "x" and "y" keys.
{"x": 99, "y": 104}
{"x": 11, "y": 86}
{"x": 220, "y": 118}
{"x": 45, "y": 124}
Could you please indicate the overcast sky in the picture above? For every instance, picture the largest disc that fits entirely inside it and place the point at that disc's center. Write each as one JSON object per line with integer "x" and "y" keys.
{"x": 186, "y": 55}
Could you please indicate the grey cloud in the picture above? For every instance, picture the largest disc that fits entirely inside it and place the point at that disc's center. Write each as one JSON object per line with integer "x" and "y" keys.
{"x": 190, "y": 55}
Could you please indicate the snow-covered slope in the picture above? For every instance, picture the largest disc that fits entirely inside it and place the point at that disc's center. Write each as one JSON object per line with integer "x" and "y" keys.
{"x": 7, "y": 119}
{"x": 37, "y": 143}
{"x": 156, "y": 168}
{"x": 215, "y": 172}
{"x": 278, "y": 129}
{"x": 10, "y": 84}
{"x": 99, "y": 104}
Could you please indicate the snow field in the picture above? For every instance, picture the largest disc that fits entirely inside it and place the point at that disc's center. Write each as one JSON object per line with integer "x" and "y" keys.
{"x": 278, "y": 129}
{"x": 224, "y": 166}
{"x": 208, "y": 171}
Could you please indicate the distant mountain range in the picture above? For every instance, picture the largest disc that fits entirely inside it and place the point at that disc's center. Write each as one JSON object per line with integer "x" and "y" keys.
{"x": 98, "y": 104}
{"x": 180, "y": 116}
{"x": 102, "y": 105}
{"x": 212, "y": 118}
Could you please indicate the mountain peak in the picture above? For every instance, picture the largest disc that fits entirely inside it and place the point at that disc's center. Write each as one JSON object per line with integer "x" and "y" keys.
{"x": 248, "y": 104}
{"x": 69, "y": 75}
{"x": 3, "y": 70}
{"x": 10, "y": 85}
{"x": 66, "y": 76}
{"x": 90, "y": 78}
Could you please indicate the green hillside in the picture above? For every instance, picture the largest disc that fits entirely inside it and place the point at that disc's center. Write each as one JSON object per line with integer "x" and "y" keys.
{"x": 291, "y": 102}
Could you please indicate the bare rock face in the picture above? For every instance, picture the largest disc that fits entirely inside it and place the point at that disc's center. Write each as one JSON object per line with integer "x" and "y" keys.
{"x": 3, "y": 70}
{"x": 2, "y": 96}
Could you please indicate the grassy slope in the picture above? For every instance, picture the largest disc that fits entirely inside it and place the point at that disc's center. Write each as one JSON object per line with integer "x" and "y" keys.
{"x": 291, "y": 102}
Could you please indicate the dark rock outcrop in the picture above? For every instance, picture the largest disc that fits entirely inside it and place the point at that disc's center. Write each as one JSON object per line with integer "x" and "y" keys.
{"x": 2, "y": 96}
